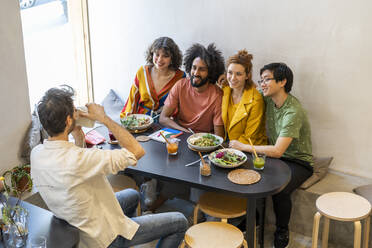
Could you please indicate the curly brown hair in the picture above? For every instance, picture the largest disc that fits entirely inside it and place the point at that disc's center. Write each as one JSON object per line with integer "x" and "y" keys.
{"x": 169, "y": 47}
{"x": 54, "y": 107}
{"x": 210, "y": 55}
{"x": 245, "y": 59}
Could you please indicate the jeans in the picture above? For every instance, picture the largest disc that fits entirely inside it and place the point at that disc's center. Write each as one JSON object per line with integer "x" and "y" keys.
{"x": 282, "y": 202}
{"x": 169, "y": 228}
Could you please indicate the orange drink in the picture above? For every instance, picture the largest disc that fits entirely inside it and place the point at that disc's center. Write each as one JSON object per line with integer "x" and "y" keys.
{"x": 172, "y": 147}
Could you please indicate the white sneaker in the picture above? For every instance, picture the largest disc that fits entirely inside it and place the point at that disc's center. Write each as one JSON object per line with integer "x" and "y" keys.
{"x": 148, "y": 190}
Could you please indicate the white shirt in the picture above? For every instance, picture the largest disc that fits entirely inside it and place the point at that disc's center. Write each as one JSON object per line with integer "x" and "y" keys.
{"x": 72, "y": 182}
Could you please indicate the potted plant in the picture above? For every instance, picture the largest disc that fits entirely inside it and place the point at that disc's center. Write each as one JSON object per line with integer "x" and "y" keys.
{"x": 20, "y": 180}
{"x": 14, "y": 217}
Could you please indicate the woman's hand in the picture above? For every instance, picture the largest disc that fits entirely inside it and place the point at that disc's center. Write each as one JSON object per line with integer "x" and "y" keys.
{"x": 238, "y": 145}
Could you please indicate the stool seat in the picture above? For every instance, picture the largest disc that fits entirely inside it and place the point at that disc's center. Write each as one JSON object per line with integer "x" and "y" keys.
{"x": 119, "y": 182}
{"x": 343, "y": 206}
{"x": 214, "y": 234}
{"x": 222, "y": 205}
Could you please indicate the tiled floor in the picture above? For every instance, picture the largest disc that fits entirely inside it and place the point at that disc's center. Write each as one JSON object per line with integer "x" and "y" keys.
{"x": 296, "y": 241}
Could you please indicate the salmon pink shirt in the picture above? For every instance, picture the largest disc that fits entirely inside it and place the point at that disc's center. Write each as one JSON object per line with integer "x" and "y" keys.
{"x": 200, "y": 111}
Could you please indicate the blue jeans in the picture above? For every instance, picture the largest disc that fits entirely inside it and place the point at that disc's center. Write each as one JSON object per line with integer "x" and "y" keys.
{"x": 169, "y": 228}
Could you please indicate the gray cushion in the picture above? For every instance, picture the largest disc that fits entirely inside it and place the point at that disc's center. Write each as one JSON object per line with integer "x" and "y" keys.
{"x": 35, "y": 135}
{"x": 320, "y": 170}
{"x": 365, "y": 191}
{"x": 113, "y": 105}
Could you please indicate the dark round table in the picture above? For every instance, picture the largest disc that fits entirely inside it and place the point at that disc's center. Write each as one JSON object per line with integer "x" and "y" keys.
{"x": 158, "y": 164}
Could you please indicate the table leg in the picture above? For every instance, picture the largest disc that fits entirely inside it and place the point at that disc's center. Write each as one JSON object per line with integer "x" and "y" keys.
{"x": 261, "y": 206}
{"x": 250, "y": 223}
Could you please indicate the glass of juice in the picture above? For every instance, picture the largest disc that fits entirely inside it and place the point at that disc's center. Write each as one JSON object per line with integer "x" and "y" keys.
{"x": 259, "y": 161}
{"x": 205, "y": 169}
{"x": 172, "y": 147}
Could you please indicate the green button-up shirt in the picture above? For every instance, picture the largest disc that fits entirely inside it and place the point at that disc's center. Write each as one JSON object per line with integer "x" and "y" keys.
{"x": 290, "y": 120}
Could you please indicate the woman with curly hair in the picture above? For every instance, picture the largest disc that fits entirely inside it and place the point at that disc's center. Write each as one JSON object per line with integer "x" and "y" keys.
{"x": 154, "y": 80}
{"x": 243, "y": 107}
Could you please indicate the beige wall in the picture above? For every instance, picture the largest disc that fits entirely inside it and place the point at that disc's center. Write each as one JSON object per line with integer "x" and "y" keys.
{"x": 327, "y": 43}
{"x": 14, "y": 103}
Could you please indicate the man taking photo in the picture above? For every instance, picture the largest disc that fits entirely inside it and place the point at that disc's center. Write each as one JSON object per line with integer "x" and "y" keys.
{"x": 72, "y": 180}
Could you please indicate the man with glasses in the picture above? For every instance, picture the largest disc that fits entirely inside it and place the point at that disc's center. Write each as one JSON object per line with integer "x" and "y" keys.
{"x": 289, "y": 139}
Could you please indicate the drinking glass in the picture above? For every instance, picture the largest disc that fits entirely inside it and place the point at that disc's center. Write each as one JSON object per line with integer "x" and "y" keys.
{"x": 38, "y": 242}
{"x": 205, "y": 169}
{"x": 172, "y": 147}
{"x": 259, "y": 161}
{"x": 15, "y": 235}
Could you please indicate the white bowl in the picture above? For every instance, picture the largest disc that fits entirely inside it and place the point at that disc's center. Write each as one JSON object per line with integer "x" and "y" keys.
{"x": 203, "y": 148}
{"x": 213, "y": 154}
{"x": 138, "y": 127}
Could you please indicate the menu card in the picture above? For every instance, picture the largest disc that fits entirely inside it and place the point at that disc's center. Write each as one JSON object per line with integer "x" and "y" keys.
{"x": 167, "y": 132}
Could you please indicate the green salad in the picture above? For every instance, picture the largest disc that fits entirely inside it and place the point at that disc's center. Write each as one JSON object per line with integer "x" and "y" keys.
{"x": 132, "y": 121}
{"x": 227, "y": 158}
{"x": 205, "y": 141}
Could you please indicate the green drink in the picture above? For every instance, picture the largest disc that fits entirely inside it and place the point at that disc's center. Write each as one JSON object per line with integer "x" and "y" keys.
{"x": 259, "y": 162}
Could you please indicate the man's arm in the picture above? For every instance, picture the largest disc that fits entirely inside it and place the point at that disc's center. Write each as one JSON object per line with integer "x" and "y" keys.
{"x": 79, "y": 136}
{"x": 275, "y": 151}
{"x": 167, "y": 121}
{"x": 219, "y": 130}
{"x": 126, "y": 140}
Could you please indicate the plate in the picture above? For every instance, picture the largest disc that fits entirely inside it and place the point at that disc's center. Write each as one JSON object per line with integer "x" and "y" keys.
{"x": 203, "y": 148}
{"x": 137, "y": 128}
{"x": 212, "y": 158}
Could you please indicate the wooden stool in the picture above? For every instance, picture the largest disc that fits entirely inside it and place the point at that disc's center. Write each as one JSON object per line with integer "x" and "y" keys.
{"x": 214, "y": 234}
{"x": 120, "y": 182}
{"x": 342, "y": 206}
{"x": 220, "y": 206}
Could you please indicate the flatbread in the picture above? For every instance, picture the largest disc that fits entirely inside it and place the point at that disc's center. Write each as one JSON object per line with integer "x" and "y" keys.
{"x": 244, "y": 176}
{"x": 142, "y": 138}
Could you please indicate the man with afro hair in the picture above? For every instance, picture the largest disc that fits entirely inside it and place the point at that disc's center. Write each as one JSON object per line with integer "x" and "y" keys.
{"x": 195, "y": 102}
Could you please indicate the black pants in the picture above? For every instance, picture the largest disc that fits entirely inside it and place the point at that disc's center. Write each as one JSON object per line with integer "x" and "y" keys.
{"x": 282, "y": 201}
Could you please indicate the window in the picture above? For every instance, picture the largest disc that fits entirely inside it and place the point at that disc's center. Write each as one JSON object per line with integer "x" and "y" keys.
{"x": 57, "y": 51}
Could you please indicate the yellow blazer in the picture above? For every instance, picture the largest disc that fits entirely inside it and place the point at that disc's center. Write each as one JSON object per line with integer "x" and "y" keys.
{"x": 249, "y": 118}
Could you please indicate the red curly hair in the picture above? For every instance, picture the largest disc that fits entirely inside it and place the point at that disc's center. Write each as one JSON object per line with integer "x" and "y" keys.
{"x": 245, "y": 59}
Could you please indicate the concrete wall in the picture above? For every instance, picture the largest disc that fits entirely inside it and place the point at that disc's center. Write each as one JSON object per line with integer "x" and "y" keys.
{"x": 328, "y": 44}
{"x": 14, "y": 103}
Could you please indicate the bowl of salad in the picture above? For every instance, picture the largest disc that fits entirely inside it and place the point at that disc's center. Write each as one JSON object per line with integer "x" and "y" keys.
{"x": 228, "y": 158}
{"x": 204, "y": 142}
{"x": 137, "y": 122}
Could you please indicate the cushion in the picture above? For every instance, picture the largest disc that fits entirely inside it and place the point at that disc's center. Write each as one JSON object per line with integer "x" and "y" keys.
{"x": 35, "y": 135}
{"x": 320, "y": 170}
{"x": 365, "y": 191}
{"x": 113, "y": 105}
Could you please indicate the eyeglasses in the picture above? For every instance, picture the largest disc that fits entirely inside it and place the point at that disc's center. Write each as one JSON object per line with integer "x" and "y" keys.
{"x": 265, "y": 80}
